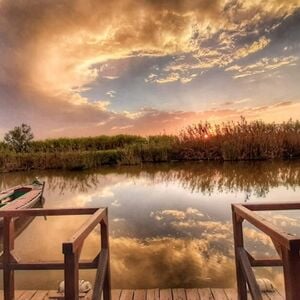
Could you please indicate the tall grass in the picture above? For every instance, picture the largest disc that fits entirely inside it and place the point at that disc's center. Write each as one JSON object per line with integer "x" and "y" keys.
{"x": 102, "y": 142}
{"x": 228, "y": 141}
{"x": 241, "y": 140}
{"x": 85, "y": 153}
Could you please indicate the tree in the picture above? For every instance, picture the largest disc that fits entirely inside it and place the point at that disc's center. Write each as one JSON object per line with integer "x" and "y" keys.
{"x": 19, "y": 138}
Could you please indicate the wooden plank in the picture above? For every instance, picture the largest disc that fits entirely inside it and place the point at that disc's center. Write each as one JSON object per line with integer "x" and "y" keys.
{"x": 238, "y": 240}
{"x": 47, "y": 212}
{"x": 8, "y": 246}
{"x": 205, "y": 294}
{"x": 126, "y": 295}
{"x": 105, "y": 247}
{"x": 71, "y": 276}
{"x": 101, "y": 273}
{"x": 267, "y": 227}
{"x": 152, "y": 294}
{"x": 139, "y": 295}
{"x": 27, "y": 295}
{"x": 165, "y": 294}
{"x": 264, "y": 262}
{"x": 248, "y": 272}
{"x": 275, "y": 296}
{"x": 218, "y": 294}
{"x": 81, "y": 234}
{"x": 192, "y": 294}
{"x": 179, "y": 294}
{"x": 231, "y": 294}
{"x": 19, "y": 293}
{"x": 39, "y": 295}
{"x": 115, "y": 294}
{"x": 273, "y": 206}
{"x": 50, "y": 265}
{"x": 57, "y": 295}
{"x": 291, "y": 267}
{"x": 265, "y": 296}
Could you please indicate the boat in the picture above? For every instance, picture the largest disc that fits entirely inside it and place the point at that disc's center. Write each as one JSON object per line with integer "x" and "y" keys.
{"x": 21, "y": 223}
{"x": 22, "y": 196}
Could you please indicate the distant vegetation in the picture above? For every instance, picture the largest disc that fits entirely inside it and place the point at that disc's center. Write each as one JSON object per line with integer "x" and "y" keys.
{"x": 229, "y": 141}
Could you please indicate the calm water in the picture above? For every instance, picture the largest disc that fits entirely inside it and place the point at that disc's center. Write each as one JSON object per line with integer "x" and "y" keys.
{"x": 170, "y": 224}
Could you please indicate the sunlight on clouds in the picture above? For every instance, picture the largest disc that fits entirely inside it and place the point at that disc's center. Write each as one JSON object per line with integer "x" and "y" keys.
{"x": 54, "y": 53}
{"x": 262, "y": 66}
{"x": 65, "y": 56}
{"x": 204, "y": 59}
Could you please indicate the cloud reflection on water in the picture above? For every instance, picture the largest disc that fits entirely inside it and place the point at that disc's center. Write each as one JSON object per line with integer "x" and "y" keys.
{"x": 170, "y": 224}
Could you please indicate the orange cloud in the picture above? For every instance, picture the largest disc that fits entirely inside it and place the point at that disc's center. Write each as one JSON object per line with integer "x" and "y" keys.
{"x": 50, "y": 49}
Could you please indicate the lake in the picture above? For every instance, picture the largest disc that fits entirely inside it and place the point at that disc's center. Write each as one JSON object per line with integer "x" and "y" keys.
{"x": 170, "y": 224}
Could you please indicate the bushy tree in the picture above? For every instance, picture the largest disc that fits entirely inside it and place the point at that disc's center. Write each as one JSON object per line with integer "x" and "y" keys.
{"x": 18, "y": 139}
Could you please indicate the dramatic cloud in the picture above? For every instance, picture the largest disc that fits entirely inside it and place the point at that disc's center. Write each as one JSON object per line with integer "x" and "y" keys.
{"x": 262, "y": 66}
{"x": 57, "y": 56}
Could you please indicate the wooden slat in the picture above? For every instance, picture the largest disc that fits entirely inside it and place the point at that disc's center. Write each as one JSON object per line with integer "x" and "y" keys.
{"x": 27, "y": 295}
{"x": 34, "y": 212}
{"x": 273, "y": 206}
{"x": 192, "y": 294}
{"x": 205, "y": 294}
{"x": 139, "y": 295}
{"x": 39, "y": 295}
{"x": 248, "y": 272}
{"x": 265, "y": 296}
{"x": 19, "y": 293}
{"x": 275, "y": 296}
{"x": 231, "y": 294}
{"x": 56, "y": 295}
{"x": 105, "y": 246}
{"x": 49, "y": 265}
{"x": 101, "y": 273}
{"x": 219, "y": 294}
{"x": 267, "y": 227}
{"x": 115, "y": 294}
{"x": 165, "y": 294}
{"x": 264, "y": 262}
{"x": 152, "y": 294}
{"x": 8, "y": 246}
{"x": 81, "y": 234}
{"x": 126, "y": 295}
{"x": 179, "y": 294}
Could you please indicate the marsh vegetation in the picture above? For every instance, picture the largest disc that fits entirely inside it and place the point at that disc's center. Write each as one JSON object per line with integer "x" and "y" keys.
{"x": 230, "y": 141}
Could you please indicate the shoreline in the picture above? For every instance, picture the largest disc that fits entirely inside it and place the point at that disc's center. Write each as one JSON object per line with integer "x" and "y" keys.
{"x": 80, "y": 161}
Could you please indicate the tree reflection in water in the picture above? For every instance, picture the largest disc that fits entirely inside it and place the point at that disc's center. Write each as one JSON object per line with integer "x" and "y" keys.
{"x": 170, "y": 223}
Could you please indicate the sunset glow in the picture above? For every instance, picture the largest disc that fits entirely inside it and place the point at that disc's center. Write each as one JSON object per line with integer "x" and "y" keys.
{"x": 79, "y": 68}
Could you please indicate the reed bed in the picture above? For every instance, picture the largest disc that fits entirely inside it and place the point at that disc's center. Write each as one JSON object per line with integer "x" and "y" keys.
{"x": 241, "y": 140}
{"x": 226, "y": 142}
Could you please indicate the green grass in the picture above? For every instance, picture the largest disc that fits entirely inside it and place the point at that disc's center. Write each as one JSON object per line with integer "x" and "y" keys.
{"x": 229, "y": 141}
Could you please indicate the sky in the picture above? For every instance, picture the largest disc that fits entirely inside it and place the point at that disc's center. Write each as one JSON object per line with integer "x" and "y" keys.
{"x": 89, "y": 67}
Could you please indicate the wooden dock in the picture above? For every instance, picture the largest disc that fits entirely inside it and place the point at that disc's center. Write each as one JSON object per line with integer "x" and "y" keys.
{"x": 150, "y": 294}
